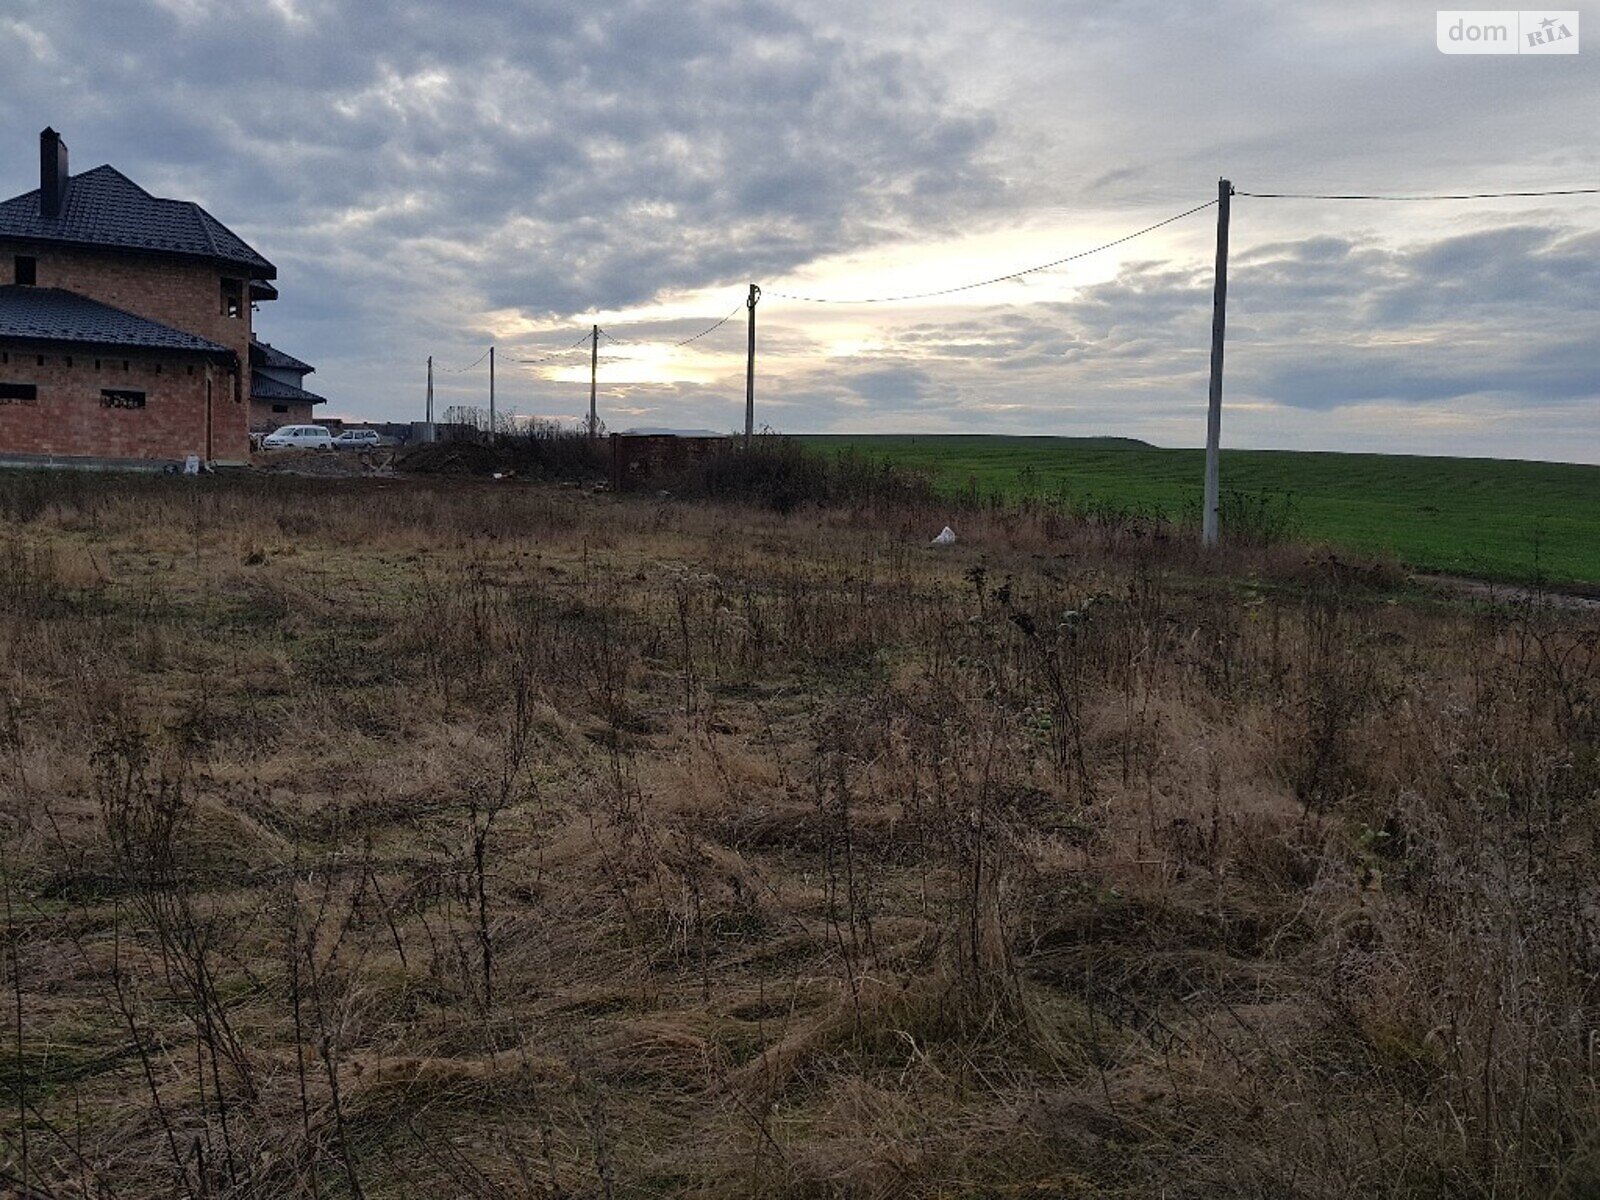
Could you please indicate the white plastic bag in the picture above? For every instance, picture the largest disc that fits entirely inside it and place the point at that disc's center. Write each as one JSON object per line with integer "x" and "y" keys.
{"x": 947, "y": 537}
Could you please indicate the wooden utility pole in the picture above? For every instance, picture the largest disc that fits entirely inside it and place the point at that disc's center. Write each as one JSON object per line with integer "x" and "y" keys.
{"x": 430, "y": 389}
{"x": 750, "y": 370}
{"x": 594, "y": 371}
{"x": 1219, "y": 321}
{"x": 492, "y": 431}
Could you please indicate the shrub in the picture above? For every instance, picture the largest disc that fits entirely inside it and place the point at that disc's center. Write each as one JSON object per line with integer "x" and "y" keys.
{"x": 540, "y": 450}
{"x": 780, "y": 473}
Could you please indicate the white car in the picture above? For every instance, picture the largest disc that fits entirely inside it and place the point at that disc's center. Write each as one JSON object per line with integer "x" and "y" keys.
{"x": 299, "y": 437}
{"x": 356, "y": 439}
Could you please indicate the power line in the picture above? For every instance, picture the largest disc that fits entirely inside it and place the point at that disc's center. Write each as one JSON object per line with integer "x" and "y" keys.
{"x": 556, "y": 353}
{"x": 1446, "y": 196}
{"x": 967, "y": 287}
{"x": 687, "y": 340}
{"x": 465, "y": 369}
{"x": 712, "y": 329}
{"x": 615, "y": 342}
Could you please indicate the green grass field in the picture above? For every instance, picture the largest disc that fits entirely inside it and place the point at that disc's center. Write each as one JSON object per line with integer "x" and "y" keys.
{"x": 1493, "y": 518}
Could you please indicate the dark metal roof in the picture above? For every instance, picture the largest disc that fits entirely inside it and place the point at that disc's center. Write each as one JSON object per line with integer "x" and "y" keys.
{"x": 34, "y": 314}
{"x": 264, "y": 387}
{"x": 105, "y": 208}
{"x": 265, "y": 354}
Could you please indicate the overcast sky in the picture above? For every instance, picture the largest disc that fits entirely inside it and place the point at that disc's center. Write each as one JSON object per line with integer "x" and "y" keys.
{"x": 431, "y": 178}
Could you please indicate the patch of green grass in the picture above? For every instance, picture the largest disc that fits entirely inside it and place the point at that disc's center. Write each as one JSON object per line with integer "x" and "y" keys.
{"x": 68, "y": 1056}
{"x": 1494, "y": 518}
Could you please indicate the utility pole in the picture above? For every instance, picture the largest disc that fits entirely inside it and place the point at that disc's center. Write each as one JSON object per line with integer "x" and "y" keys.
{"x": 492, "y": 432}
{"x": 430, "y": 389}
{"x": 750, "y": 370}
{"x": 594, "y": 370}
{"x": 1219, "y": 321}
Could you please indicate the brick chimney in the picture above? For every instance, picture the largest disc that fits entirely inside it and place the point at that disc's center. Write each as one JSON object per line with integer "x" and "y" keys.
{"x": 53, "y": 176}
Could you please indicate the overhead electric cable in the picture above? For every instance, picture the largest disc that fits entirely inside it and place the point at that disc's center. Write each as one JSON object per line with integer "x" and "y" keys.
{"x": 556, "y": 353}
{"x": 708, "y": 330}
{"x": 711, "y": 329}
{"x": 967, "y": 287}
{"x": 463, "y": 370}
{"x": 1441, "y": 196}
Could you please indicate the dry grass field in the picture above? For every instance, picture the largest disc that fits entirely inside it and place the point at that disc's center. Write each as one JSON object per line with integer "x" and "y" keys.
{"x": 406, "y": 839}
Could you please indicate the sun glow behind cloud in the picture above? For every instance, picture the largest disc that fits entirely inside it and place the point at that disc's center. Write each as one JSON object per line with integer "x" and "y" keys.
{"x": 936, "y": 264}
{"x": 842, "y": 332}
{"x": 642, "y": 363}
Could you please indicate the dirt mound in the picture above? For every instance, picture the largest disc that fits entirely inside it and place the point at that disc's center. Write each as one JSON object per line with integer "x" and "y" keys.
{"x": 452, "y": 458}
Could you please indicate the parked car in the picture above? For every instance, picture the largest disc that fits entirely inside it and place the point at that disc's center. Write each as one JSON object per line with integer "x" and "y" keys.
{"x": 357, "y": 439}
{"x": 299, "y": 437}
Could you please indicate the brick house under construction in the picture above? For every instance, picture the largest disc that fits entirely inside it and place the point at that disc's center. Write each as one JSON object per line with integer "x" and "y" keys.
{"x": 125, "y": 323}
{"x": 277, "y": 393}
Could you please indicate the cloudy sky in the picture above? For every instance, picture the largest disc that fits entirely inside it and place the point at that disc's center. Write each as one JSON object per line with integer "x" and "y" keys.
{"x": 431, "y": 178}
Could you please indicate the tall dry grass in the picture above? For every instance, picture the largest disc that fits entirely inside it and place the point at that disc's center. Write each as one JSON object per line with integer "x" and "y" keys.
{"x": 369, "y": 838}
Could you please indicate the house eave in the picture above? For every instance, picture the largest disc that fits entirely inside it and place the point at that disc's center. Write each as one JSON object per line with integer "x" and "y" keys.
{"x": 35, "y": 345}
{"x": 236, "y": 268}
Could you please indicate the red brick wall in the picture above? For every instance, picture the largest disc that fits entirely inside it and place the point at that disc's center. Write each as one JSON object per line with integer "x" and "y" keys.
{"x": 264, "y": 420}
{"x": 637, "y": 458}
{"x": 182, "y": 293}
{"x": 68, "y": 418}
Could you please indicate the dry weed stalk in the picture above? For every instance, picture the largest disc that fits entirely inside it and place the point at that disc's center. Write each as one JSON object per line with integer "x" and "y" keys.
{"x": 372, "y": 840}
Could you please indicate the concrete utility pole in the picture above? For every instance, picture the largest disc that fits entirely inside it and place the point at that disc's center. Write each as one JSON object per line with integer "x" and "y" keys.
{"x": 750, "y": 370}
{"x": 1219, "y": 321}
{"x": 594, "y": 371}
{"x": 430, "y": 389}
{"x": 492, "y": 431}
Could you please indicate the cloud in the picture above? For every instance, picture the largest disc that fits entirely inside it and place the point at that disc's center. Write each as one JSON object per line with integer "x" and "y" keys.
{"x": 429, "y": 177}
{"x": 897, "y": 385}
{"x": 541, "y": 156}
{"x": 1485, "y": 324}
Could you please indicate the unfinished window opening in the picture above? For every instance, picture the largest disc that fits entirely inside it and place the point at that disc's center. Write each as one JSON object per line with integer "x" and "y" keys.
{"x": 67, "y": 360}
{"x": 280, "y": 408}
{"x": 121, "y": 398}
{"x": 39, "y": 360}
{"x": 19, "y": 393}
{"x": 232, "y": 298}
{"x": 26, "y": 268}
